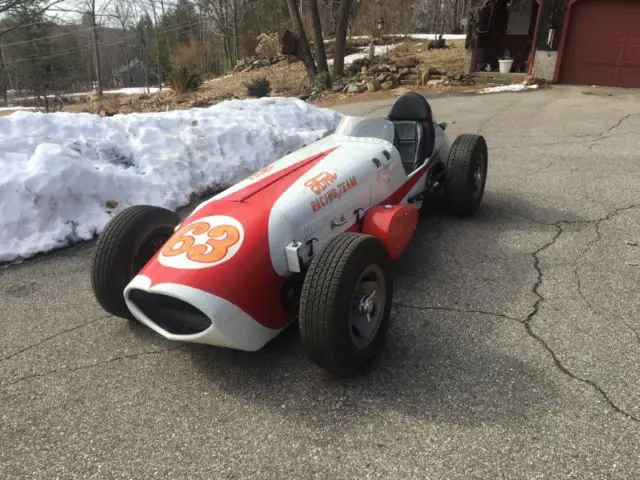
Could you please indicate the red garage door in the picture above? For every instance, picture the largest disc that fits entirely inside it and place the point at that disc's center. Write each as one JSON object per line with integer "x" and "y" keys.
{"x": 603, "y": 44}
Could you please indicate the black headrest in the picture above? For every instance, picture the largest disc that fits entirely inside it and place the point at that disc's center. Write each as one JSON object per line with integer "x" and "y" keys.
{"x": 411, "y": 106}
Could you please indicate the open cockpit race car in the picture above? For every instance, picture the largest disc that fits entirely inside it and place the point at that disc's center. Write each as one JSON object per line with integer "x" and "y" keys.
{"x": 309, "y": 238}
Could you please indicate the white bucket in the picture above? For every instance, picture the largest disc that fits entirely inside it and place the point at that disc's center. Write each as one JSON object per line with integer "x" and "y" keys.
{"x": 505, "y": 65}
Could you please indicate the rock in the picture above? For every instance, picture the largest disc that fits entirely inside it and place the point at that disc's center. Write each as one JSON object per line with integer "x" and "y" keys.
{"x": 403, "y": 71}
{"x": 393, "y": 68}
{"x": 435, "y": 83}
{"x": 111, "y": 204}
{"x": 387, "y": 85}
{"x": 373, "y": 85}
{"x": 338, "y": 87}
{"x": 407, "y": 62}
{"x": 353, "y": 88}
{"x": 382, "y": 77}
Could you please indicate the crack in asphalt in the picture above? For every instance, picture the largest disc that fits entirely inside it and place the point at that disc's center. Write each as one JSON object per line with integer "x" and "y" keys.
{"x": 50, "y": 337}
{"x": 460, "y": 310}
{"x": 91, "y": 365}
{"x": 595, "y": 221}
{"x": 603, "y": 135}
{"x": 591, "y": 139}
{"x": 576, "y": 275}
{"x": 617, "y": 124}
{"x": 527, "y": 322}
{"x": 536, "y": 307}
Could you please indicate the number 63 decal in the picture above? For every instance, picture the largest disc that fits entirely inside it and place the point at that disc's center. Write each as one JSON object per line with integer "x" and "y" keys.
{"x": 204, "y": 243}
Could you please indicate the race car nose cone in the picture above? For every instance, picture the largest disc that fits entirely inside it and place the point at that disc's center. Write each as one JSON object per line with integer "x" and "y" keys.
{"x": 180, "y": 312}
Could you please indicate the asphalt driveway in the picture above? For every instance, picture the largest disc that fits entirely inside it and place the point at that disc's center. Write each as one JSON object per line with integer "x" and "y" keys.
{"x": 514, "y": 351}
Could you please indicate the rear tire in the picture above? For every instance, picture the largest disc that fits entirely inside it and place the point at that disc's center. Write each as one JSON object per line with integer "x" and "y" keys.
{"x": 334, "y": 327}
{"x": 127, "y": 243}
{"x": 466, "y": 175}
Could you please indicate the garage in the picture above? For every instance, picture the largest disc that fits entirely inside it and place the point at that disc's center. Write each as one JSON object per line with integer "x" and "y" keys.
{"x": 602, "y": 43}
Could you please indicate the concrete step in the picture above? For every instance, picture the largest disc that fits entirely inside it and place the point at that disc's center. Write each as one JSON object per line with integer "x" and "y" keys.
{"x": 499, "y": 78}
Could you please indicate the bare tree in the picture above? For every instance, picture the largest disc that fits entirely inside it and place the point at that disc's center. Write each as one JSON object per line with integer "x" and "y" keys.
{"x": 35, "y": 9}
{"x": 341, "y": 38}
{"x": 92, "y": 13}
{"x": 303, "y": 43}
{"x": 151, "y": 6}
{"x": 316, "y": 25}
{"x": 226, "y": 16}
{"x": 122, "y": 11}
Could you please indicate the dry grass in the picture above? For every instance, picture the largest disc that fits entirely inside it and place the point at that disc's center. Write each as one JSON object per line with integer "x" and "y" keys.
{"x": 343, "y": 98}
{"x": 450, "y": 59}
{"x": 287, "y": 80}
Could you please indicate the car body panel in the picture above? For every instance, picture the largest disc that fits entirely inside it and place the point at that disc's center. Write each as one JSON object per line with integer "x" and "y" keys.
{"x": 232, "y": 256}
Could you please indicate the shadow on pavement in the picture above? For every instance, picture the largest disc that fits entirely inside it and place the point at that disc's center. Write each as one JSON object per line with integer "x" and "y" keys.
{"x": 450, "y": 364}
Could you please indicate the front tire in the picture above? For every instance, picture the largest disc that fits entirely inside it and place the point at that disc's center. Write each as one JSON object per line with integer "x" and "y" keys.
{"x": 345, "y": 303}
{"x": 466, "y": 175}
{"x": 127, "y": 243}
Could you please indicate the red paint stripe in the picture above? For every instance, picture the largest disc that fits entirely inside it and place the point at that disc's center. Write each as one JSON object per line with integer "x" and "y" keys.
{"x": 397, "y": 196}
{"x": 244, "y": 194}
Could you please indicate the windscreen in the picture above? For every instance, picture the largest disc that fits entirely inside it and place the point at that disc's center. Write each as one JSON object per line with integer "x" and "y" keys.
{"x": 366, "y": 128}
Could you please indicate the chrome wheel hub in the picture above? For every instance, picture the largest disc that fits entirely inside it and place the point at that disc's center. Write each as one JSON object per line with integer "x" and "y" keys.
{"x": 367, "y": 306}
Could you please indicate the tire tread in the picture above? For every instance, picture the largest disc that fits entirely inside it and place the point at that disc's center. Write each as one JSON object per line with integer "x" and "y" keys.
{"x": 317, "y": 303}
{"x": 458, "y": 196}
{"x": 117, "y": 237}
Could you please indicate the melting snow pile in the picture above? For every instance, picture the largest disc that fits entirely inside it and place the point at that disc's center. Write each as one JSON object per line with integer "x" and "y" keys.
{"x": 514, "y": 87}
{"x": 59, "y": 172}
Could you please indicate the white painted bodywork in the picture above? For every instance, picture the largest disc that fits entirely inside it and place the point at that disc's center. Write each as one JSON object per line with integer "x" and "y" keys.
{"x": 365, "y": 152}
{"x": 230, "y": 327}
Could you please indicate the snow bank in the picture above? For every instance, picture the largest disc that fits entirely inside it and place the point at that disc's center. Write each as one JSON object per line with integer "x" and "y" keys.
{"x": 514, "y": 87}
{"x": 135, "y": 90}
{"x": 12, "y": 109}
{"x": 417, "y": 36}
{"x": 364, "y": 53}
{"x": 59, "y": 170}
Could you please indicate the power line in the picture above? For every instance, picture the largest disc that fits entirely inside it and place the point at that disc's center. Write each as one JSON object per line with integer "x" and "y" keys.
{"x": 10, "y": 61}
{"x": 46, "y": 37}
{"x": 168, "y": 4}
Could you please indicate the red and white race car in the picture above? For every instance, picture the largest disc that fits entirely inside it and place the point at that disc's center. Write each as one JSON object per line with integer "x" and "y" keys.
{"x": 310, "y": 237}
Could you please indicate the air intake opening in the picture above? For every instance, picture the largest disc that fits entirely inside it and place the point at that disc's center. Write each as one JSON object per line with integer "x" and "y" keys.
{"x": 173, "y": 315}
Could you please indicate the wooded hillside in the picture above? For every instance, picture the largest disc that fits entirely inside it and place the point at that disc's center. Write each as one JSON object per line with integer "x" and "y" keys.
{"x": 67, "y": 46}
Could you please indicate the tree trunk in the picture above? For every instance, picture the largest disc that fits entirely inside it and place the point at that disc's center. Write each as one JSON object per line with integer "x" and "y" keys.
{"x": 3, "y": 78}
{"x": 96, "y": 53}
{"x": 236, "y": 42}
{"x": 321, "y": 55}
{"x": 341, "y": 38}
{"x": 126, "y": 56}
{"x": 157, "y": 35}
{"x": 303, "y": 44}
